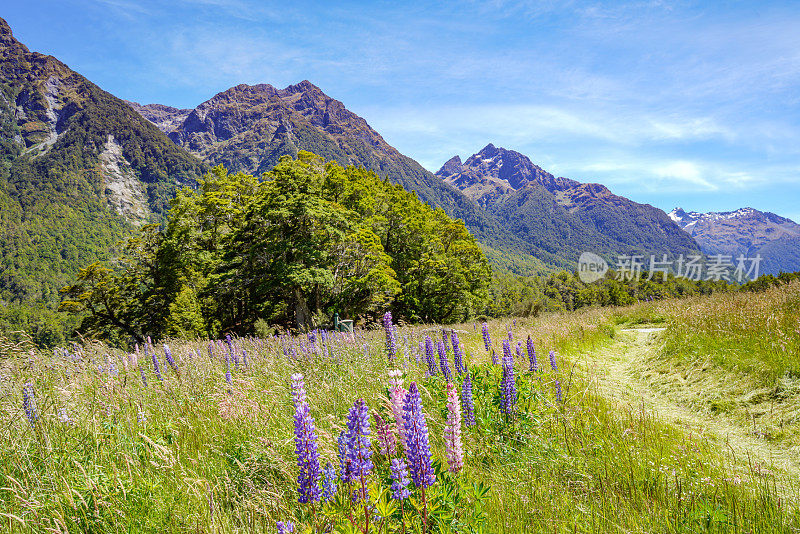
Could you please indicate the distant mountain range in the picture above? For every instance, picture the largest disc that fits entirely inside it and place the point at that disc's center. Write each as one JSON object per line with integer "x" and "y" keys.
{"x": 560, "y": 217}
{"x": 747, "y": 232}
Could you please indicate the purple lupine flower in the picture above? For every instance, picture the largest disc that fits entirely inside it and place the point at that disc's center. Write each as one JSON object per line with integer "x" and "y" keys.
{"x": 487, "y": 341}
{"x": 305, "y": 439}
{"x": 532, "y": 355}
{"x": 417, "y": 446}
{"x": 558, "y": 390}
{"x": 144, "y": 378}
{"x": 400, "y": 480}
{"x": 244, "y": 359}
{"x": 156, "y": 367}
{"x": 170, "y": 359}
{"x": 391, "y": 340}
{"x": 285, "y": 527}
{"x": 510, "y": 336}
{"x": 553, "y": 360}
{"x": 329, "y": 483}
{"x": 519, "y": 350}
{"x": 29, "y": 404}
{"x": 444, "y": 339}
{"x": 429, "y": 356}
{"x": 420, "y": 352}
{"x": 458, "y": 352}
{"x": 508, "y": 387}
{"x": 466, "y": 399}
{"x": 228, "y": 377}
{"x": 445, "y": 365}
{"x": 359, "y": 448}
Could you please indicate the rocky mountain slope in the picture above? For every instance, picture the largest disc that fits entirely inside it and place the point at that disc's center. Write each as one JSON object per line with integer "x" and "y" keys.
{"x": 560, "y": 217}
{"x": 79, "y": 170}
{"x": 248, "y": 128}
{"x": 747, "y": 232}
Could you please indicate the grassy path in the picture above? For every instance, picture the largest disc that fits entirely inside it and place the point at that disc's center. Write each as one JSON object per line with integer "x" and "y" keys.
{"x": 614, "y": 372}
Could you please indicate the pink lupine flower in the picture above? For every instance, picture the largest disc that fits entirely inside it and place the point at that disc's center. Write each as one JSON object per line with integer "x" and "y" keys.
{"x": 387, "y": 441}
{"x": 452, "y": 431}
{"x": 397, "y": 396}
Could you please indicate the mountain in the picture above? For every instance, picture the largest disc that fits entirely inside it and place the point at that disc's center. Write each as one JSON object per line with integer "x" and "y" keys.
{"x": 559, "y": 217}
{"x": 79, "y": 170}
{"x": 249, "y": 127}
{"x": 747, "y": 232}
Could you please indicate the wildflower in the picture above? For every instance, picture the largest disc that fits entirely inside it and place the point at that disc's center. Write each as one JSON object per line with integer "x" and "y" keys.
{"x": 531, "y": 355}
{"x": 397, "y": 395}
{"x": 29, "y": 404}
{"x": 387, "y": 442}
{"x": 141, "y": 418}
{"x": 391, "y": 340}
{"x": 508, "y": 388}
{"x": 429, "y": 356}
{"x": 466, "y": 395}
{"x": 418, "y": 450}
{"x": 329, "y": 482}
{"x": 170, "y": 359}
{"x": 452, "y": 431}
{"x": 443, "y": 361}
{"x": 458, "y": 352}
{"x": 344, "y": 461}
{"x": 400, "y": 480}
{"x": 358, "y": 447}
{"x": 553, "y": 360}
{"x": 487, "y": 341}
{"x": 444, "y": 339}
{"x": 228, "y": 377}
{"x": 63, "y": 416}
{"x": 306, "y": 444}
{"x": 558, "y": 390}
{"x": 156, "y": 367}
{"x": 245, "y": 360}
{"x": 144, "y": 378}
{"x": 285, "y": 527}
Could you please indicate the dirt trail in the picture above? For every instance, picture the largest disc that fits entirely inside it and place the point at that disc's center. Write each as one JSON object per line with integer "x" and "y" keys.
{"x": 613, "y": 369}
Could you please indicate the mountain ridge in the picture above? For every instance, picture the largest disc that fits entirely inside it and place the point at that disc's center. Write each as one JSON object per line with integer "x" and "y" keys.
{"x": 745, "y": 231}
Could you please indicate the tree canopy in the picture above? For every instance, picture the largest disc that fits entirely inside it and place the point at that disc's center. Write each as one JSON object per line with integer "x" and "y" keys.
{"x": 297, "y": 244}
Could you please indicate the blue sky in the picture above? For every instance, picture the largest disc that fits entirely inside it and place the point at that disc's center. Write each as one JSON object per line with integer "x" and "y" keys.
{"x": 694, "y": 104}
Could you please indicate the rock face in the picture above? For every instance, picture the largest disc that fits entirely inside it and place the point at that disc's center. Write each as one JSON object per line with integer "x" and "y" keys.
{"x": 249, "y": 127}
{"x": 80, "y": 170}
{"x": 558, "y": 216}
{"x": 747, "y": 232}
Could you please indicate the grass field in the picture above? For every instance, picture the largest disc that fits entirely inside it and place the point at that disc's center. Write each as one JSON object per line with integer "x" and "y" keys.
{"x": 101, "y": 451}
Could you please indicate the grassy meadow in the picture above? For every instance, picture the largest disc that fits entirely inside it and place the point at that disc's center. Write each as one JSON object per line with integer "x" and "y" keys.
{"x": 105, "y": 445}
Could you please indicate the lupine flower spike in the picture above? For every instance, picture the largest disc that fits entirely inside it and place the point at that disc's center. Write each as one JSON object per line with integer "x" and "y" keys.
{"x": 397, "y": 396}
{"x": 387, "y": 442}
{"x": 285, "y": 527}
{"x": 443, "y": 361}
{"x": 458, "y": 353}
{"x": 508, "y": 388}
{"x": 429, "y": 356}
{"x": 29, "y": 404}
{"x": 452, "y": 431}
{"x": 358, "y": 447}
{"x": 531, "y": 355}
{"x": 329, "y": 483}
{"x": 400, "y": 480}
{"x": 305, "y": 439}
{"x": 418, "y": 450}
{"x": 466, "y": 395}
{"x": 553, "y": 360}
{"x": 391, "y": 340}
